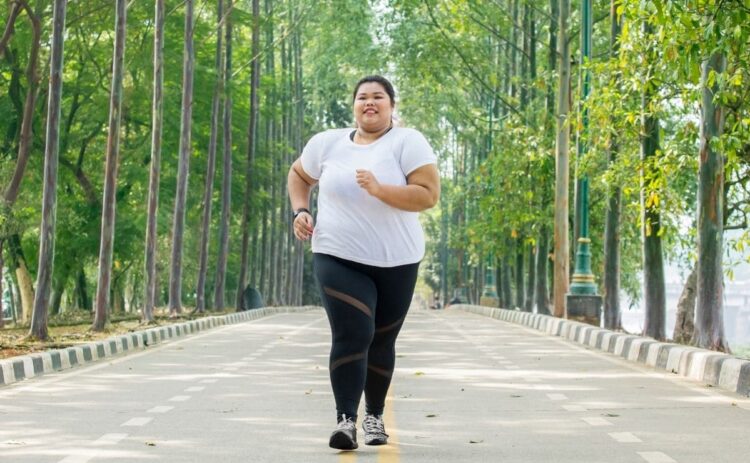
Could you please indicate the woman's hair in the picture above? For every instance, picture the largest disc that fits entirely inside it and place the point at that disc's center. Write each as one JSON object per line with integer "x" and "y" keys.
{"x": 380, "y": 80}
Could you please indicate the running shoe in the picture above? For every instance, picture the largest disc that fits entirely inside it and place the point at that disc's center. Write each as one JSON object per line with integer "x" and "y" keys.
{"x": 374, "y": 430}
{"x": 345, "y": 435}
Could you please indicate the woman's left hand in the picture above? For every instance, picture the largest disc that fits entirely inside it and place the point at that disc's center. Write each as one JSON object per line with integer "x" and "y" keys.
{"x": 367, "y": 180}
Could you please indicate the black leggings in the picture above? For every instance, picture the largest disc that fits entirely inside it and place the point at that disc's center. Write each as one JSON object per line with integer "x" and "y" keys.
{"x": 366, "y": 308}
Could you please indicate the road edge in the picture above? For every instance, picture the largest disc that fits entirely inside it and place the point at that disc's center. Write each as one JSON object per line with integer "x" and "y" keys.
{"x": 19, "y": 368}
{"x": 713, "y": 368}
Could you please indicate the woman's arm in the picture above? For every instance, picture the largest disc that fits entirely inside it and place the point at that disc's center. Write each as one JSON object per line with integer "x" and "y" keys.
{"x": 422, "y": 189}
{"x": 300, "y": 185}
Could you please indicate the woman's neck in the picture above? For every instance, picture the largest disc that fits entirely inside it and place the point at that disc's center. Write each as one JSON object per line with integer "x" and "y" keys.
{"x": 364, "y": 137}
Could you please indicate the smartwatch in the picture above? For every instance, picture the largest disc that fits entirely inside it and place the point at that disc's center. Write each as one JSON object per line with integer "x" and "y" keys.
{"x": 298, "y": 212}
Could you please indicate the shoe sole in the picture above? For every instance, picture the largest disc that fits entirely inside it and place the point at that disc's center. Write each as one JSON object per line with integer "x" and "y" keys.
{"x": 339, "y": 440}
{"x": 376, "y": 441}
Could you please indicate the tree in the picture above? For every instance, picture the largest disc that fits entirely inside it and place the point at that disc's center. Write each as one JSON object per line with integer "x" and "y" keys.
{"x": 612, "y": 315}
{"x": 178, "y": 223}
{"x": 110, "y": 175}
{"x": 653, "y": 261}
{"x": 709, "y": 309}
{"x": 26, "y": 136}
{"x": 226, "y": 184}
{"x": 49, "y": 200}
{"x": 252, "y": 131}
{"x": 562, "y": 247}
{"x": 157, "y": 115}
{"x": 200, "y": 302}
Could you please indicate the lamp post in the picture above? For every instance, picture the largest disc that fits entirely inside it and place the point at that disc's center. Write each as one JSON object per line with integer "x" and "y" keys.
{"x": 582, "y": 301}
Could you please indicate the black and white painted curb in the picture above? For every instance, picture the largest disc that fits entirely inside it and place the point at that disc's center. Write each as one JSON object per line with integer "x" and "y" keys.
{"x": 16, "y": 369}
{"x": 714, "y": 368}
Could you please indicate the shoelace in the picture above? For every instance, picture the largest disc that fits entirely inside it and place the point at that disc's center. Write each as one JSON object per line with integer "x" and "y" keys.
{"x": 346, "y": 423}
{"x": 374, "y": 425}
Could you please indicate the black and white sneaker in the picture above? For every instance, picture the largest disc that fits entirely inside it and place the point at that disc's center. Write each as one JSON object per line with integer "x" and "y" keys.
{"x": 345, "y": 435}
{"x": 374, "y": 430}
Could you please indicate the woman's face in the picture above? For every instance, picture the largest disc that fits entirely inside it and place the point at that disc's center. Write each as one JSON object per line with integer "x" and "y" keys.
{"x": 372, "y": 107}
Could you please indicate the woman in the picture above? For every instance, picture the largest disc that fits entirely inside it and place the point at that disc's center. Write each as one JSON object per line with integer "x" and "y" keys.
{"x": 366, "y": 246}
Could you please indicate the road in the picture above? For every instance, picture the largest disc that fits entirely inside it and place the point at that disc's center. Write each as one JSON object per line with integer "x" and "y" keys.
{"x": 466, "y": 389}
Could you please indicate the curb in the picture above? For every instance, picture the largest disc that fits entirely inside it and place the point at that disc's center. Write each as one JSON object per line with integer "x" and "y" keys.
{"x": 713, "y": 368}
{"x": 22, "y": 367}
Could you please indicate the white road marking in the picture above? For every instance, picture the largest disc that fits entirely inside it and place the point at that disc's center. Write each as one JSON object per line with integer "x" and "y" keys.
{"x": 140, "y": 421}
{"x": 656, "y": 457}
{"x": 512, "y": 367}
{"x": 76, "y": 459}
{"x": 532, "y": 380}
{"x": 596, "y": 421}
{"x": 557, "y": 397}
{"x": 160, "y": 409}
{"x": 110, "y": 439}
{"x": 180, "y": 398}
{"x": 625, "y": 437}
{"x": 195, "y": 389}
{"x": 574, "y": 408}
{"x": 209, "y": 381}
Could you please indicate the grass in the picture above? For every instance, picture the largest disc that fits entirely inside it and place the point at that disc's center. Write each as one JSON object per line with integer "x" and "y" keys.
{"x": 71, "y": 328}
{"x": 742, "y": 352}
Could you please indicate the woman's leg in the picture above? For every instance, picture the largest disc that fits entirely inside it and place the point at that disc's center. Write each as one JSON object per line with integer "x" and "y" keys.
{"x": 349, "y": 297}
{"x": 395, "y": 288}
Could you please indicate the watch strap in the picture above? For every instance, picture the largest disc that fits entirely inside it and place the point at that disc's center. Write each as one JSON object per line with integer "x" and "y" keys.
{"x": 300, "y": 211}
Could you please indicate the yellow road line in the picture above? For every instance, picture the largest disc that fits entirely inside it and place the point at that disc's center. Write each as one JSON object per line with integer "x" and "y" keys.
{"x": 389, "y": 453}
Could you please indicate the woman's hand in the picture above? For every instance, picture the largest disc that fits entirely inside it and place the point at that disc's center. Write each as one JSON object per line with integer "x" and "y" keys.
{"x": 368, "y": 182}
{"x": 303, "y": 226}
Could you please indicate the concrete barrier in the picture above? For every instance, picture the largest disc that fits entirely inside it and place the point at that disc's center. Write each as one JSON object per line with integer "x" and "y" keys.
{"x": 22, "y": 367}
{"x": 709, "y": 367}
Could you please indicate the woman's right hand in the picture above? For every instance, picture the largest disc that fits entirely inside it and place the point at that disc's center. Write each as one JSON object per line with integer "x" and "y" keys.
{"x": 303, "y": 226}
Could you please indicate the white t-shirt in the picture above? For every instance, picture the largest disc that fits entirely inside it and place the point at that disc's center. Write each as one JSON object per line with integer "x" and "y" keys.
{"x": 352, "y": 224}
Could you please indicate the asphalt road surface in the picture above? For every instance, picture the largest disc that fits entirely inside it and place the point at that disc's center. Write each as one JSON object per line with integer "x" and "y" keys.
{"x": 466, "y": 389}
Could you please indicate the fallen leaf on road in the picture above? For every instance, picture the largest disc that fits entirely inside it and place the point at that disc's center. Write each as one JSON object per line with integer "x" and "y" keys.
{"x": 151, "y": 444}
{"x": 476, "y": 441}
{"x": 308, "y": 392}
{"x": 431, "y": 416}
{"x": 419, "y": 373}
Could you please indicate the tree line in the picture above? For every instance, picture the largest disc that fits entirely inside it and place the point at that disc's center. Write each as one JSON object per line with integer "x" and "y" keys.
{"x": 152, "y": 212}
{"x": 665, "y": 151}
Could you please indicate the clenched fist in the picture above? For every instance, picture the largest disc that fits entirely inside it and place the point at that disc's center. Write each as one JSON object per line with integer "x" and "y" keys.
{"x": 368, "y": 182}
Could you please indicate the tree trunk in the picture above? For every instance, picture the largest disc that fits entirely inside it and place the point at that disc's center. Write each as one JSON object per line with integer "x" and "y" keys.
{"x": 200, "y": 302}
{"x": 2, "y": 276}
{"x": 529, "y": 307}
{"x": 542, "y": 256}
{"x": 110, "y": 176}
{"x": 709, "y": 309}
{"x": 506, "y": 284}
{"x": 226, "y": 183}
{"x": 653, "y": 261}
{"x": 81, "y": 295}
{"x": 520, "y": 304}
{"x": 264, "y": 269}
{"x": 684, "y": 324}
{"x": 157, "y": 115}
{"x": 178, "y": 222}
{"x": 49, "y": 194}
{"x": 562, "y": 247}
{"x": 32, "y": 75}
{"x": 612, "y": 315}
{"x": 23, "y": 278}
{"x": 15, "y": 10}
{"x": 252, "y": 131}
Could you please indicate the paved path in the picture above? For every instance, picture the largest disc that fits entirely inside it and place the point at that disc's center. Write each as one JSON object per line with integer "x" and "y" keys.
{"x": 467, "y": 389}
